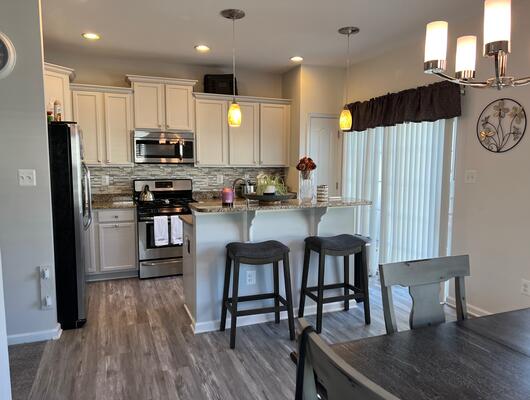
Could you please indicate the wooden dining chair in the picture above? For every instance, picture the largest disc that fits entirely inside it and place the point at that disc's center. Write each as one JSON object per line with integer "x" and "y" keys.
{"x": 423, "y": 278}
{"x": 322, "y": 375}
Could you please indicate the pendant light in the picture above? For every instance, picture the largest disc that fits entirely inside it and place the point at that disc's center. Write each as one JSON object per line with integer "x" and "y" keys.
{"x": 345, "y": 119}
{"x": 234, "y": 112}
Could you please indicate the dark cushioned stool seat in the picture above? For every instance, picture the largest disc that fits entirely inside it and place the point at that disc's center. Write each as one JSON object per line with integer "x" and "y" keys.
{"x": 268, "y": 249}
{"x": 336, "y": 243}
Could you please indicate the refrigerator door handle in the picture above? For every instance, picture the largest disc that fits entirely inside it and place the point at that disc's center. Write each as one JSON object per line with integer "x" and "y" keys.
{"x": 88, "y": 194}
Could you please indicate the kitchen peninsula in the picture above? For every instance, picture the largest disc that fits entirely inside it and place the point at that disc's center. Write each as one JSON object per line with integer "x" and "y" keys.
{"x": 211, "y": 226}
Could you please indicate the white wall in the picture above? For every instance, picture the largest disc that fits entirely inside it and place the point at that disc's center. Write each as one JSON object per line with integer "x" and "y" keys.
{"x": 110, "y": 70}
{"x": 25, "y": 215}
{"x": 491, "y": 217}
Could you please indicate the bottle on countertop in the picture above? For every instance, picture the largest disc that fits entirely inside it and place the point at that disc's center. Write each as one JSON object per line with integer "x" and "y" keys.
{"x": 49, "y": 112}
{"x": 57, "y": 111}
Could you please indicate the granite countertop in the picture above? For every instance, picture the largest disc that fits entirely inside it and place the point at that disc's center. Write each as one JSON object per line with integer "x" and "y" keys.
{"x": 187, "y": 219}
{"x": 108, "y": 201}
{"x": 242, "y": 206}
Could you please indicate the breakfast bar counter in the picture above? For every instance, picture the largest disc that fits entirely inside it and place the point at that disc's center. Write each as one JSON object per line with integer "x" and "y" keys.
{"x": 214, "y": 226}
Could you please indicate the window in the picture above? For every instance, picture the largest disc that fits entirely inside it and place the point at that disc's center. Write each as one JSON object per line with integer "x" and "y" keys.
{"x": 401, "y": 169}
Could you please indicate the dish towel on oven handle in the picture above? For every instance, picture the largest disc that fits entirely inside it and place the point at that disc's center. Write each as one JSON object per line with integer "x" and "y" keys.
{"x": 176, "y": 230}
{"x": 161, "y": 230}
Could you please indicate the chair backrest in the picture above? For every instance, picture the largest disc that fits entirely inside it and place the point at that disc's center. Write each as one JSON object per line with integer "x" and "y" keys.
{"x": 322, "y": 374}
{"x": 423, "y": 278}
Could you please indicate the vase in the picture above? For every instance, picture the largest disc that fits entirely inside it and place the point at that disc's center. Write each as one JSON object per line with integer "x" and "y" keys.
{"x": 307, "y": 187}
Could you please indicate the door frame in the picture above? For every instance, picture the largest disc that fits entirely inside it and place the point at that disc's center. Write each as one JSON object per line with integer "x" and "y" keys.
{"x": 5, "y": 379}
{"x": 310, "y": 116}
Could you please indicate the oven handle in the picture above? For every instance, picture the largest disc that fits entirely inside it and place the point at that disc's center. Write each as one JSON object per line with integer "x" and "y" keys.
{"x": 155, "y": 263}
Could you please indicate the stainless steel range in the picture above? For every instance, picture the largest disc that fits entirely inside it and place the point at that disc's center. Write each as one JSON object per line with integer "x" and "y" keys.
{"x": 170, "y": 197}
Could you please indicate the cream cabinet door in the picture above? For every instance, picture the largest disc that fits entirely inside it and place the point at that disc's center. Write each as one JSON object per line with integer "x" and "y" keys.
{"x": 117, "y": 246}
{"x": 244, "y": 140}
{"x": 118, "y": 128}
{"x": 211, "y": 136}
{"x": 274, "y": 134}
{"x": 88, "y": 112}
{"x": 57, "y": 87}
{"x": 179, "y": 107}
{"x": 148, "y": 105}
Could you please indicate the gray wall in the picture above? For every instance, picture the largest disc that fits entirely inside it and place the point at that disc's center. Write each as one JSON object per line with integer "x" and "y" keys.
{"x": 25, "y": 213}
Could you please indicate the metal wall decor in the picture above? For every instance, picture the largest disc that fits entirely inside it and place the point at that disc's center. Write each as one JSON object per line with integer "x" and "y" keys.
{"x": 501, "y": 125}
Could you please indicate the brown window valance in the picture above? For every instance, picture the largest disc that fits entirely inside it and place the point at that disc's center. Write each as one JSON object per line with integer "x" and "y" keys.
{"x": 440, "y": 100}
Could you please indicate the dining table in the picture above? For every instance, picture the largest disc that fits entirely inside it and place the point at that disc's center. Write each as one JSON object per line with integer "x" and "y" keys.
{"x": 479, "y": 358}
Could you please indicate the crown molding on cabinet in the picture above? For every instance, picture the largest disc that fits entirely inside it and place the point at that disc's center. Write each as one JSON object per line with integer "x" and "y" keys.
{"x": 60, "y": 70}
{"x": 158, "y": 79}
{"x": 99, "y": 88}
{"x": 248, "y": 99}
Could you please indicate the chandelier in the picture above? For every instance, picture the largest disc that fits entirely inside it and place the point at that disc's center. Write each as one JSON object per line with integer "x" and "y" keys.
{"x": 497, "y": 32}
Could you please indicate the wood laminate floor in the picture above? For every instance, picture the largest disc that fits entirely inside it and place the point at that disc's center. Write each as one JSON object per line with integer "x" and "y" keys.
{"x": 138, "y": 344}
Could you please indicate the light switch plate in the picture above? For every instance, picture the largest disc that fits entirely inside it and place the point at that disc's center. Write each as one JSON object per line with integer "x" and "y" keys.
{"x": 525, "y": 287}
{"x": 251, "y": 277}
{"x": 104, "y": 180}
{"x": 220, "y": 178}
{"x": 470, "y": 176}
{"x": 27, "y": 177}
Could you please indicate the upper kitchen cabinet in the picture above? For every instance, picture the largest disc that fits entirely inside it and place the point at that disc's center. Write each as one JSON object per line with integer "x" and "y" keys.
{"x": 104, "y": 117}
{"x": 57, "y": 87}
{"x": 274, "y": 134}
{"x": 261, "y": 140}
{"x": 163, "y": 103}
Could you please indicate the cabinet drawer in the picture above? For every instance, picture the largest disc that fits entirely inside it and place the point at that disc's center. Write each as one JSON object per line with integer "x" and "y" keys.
{"x": 115, "y": 215}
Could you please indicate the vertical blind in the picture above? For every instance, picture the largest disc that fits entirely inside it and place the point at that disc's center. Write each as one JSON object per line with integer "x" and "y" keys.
{"x": 400, "y": 169}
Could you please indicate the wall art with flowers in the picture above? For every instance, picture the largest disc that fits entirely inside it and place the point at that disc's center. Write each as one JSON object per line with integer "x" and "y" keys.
{"x": 502, "y": 125}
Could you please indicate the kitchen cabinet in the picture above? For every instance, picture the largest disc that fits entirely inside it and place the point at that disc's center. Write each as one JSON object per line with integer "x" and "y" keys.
{"x": 163, "y": 103}
{"x": 57, "y": 87}
{"x": 274, "y": 134}
{"x": 104, "y": 117}
{"x": 117, "y": 245}
{"x": 110, "y": 245}
{"x": 211, "y": 138}
{"x": 188, "y": 266}
{"x": 261, "y": 140}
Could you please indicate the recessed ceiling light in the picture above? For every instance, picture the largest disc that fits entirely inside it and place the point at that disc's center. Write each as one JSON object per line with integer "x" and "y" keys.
{"x": 297, "y": 59}
{"x": 91, "y": 36}
{"x": 202, "y": 48}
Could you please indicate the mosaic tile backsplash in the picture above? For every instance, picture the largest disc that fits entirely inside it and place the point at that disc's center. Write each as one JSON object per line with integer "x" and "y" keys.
{"x": 204, "y": 178}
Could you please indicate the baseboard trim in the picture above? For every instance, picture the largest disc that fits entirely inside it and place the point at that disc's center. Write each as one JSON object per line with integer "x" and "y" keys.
{"x": 471, "y": 309}
{"x": 39, "y": 336}
{"x": 107, "y": 276}
{"x": 210, "y": 326}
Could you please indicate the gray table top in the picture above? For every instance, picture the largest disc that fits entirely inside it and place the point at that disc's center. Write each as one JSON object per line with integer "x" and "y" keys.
{"x": 481, "y": 358}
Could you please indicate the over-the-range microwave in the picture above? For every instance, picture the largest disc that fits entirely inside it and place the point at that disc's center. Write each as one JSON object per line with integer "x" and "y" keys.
{"x": 163, "y": 147}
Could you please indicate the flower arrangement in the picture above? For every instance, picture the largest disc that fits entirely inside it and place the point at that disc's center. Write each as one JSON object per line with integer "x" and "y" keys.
{"x": 305, "y": 166}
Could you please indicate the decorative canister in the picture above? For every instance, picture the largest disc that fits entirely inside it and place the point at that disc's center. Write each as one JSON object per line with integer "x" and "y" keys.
{"x": 322, "y": 193}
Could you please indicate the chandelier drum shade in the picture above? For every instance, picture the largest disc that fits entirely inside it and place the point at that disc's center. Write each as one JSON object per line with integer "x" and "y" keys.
{"x": 497, "y": 45}
{"x": 234, "y": 112}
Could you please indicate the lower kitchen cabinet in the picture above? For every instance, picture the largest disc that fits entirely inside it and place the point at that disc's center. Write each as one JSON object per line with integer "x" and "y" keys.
{"x": 110, "y": 245}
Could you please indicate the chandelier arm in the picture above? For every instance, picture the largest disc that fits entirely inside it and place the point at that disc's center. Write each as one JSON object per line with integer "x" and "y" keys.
{"x": 461, "y": 81}
{"x": 521, "y": 81}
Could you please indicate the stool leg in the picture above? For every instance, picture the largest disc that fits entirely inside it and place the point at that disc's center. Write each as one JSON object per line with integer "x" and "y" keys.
{"x": 346, "y": 282}
{"x": 235, "y": 287}
{"x": 288, "y": 295}
{"x": 305, "y": 273}
{"x": 320, "y": 289}
{"x": 358, "y": 270}
{"x": 276, "y": 293}
{"x": 225, "y": 292}
{"x": 366, "y": 287}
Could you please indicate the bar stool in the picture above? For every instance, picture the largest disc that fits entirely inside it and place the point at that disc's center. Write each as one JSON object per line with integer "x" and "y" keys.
{"x": 344, "y": 246}
{"x": 269, "y": 252}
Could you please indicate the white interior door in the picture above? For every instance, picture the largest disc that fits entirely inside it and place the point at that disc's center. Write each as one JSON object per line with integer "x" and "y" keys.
{"x": 326, "y": 150}
{"x": 5, "y": 383}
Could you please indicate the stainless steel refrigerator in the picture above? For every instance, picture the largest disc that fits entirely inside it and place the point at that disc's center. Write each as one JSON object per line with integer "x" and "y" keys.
{"x": 72, "y": 216}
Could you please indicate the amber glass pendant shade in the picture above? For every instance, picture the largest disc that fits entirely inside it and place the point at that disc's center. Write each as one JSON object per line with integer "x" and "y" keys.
{"x": 234, "y": 115}
{"x": 345, "y": 120}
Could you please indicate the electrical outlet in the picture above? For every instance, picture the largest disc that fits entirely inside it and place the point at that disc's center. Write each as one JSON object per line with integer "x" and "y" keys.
{"x": 27, "y": 177}
{"x": 105, "y": 180}
{"x": 220, "y": 178}
{"x": 251, "y": 277}
{"x": 247, "y": 177}
{"x": 525, "y": 287}
{"x": 470, "y": 176}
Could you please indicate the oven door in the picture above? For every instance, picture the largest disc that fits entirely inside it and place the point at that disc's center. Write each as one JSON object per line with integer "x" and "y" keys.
{"x": 146, "y": 244}
{"x": 163, "y": 149}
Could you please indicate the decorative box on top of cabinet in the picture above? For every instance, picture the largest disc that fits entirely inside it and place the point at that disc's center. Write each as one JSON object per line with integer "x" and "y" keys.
{"x": 57, "y": 87}
{"x": 164, "y": 104}
{"x": 104, "y": 117}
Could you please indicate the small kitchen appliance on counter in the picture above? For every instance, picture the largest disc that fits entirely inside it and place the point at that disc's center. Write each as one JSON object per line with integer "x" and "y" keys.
{"x": 169, "y": 197}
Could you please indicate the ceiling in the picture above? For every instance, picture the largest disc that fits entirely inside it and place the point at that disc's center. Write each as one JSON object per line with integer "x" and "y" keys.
{"x": 271, "y": 32}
